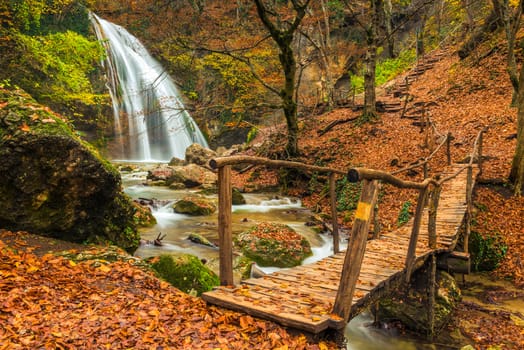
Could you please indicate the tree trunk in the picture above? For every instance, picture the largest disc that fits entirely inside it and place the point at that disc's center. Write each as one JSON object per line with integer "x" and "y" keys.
{"x": 284, "y": 40}
{"x": 388, "y": 11}
{"x": 369, "y": 80}
{"x": 287, "y": 59}
{"x": 516, "y": 176}
{"x": 370, "y": 60}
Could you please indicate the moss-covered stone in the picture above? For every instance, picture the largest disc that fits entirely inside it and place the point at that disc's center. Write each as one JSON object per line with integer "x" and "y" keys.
{"x": 270, "y": 244}
{"x": 143, "y": 216}
{"x": 410, "y": 305}
{"x": 199, "y": 239}
{"x": 238, "y": 198}
{"x": 196, "y": 206}
{"x": 55, "y": 184}
{"x": 186, "y": 272}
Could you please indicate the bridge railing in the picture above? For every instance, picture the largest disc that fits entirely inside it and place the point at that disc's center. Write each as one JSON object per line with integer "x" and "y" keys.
{"x": 223, "y": 164}
{"x": 364, "y": 213}
{"x": 357, "y": 244}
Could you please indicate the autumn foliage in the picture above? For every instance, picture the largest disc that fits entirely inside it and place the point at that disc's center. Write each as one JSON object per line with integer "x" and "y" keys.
{"x": 50, "y": 302}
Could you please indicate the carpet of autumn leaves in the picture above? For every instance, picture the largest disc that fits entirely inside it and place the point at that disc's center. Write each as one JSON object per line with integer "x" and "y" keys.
{"x": 50, "y": 302}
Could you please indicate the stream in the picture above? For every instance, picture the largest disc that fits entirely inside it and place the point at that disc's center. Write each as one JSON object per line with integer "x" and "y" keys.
{"x": 360, "y": 333}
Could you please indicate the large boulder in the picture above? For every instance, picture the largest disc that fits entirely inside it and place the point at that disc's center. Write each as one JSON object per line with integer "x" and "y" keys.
{"x": 192, "y": 175}
{"x": 53, "y": 183}
{"x": 270, "y": 244}
{"x": 197, "y": 154}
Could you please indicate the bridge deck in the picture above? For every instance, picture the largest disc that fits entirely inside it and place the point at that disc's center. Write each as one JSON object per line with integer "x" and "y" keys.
{"x": 302, "y": 297}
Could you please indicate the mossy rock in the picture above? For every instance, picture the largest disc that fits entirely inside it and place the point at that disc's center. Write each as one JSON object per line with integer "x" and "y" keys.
{"x": 410, "y": 305}
{"x": 55, "y": 184}
{"x": 195, "y": 206}
{"x": 143, "y": 216}
{"x": 237, "y": 197}
{"x": 271, "y": 244}
{"x": 186, "y": 272}
{"x": 199, "y": 239}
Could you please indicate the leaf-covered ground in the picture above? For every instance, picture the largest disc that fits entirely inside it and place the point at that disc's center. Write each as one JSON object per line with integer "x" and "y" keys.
{"x": 51, "y": 302}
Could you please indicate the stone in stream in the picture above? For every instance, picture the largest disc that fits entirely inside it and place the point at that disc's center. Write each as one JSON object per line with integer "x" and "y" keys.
{"x": 53, "y": 183}
{"x": 271, "y": 244}
{"x": 195, "y": 206}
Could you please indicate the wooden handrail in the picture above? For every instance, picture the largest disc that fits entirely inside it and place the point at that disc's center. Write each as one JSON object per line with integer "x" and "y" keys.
{"x": 219, "y": 162}
{"x": 358, "y": 174}
{"x": 426, "y": 159}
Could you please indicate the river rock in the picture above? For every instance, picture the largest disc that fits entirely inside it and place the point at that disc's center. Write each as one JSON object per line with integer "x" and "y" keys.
{"x": 53, "y": 183}
{"x": 271, "y": 244}
{"x": 195, "y": 206}
{"x": 197, "y": 154}
{"x": 192, "y": 175}
{"x": 186, "y": 272}
{"x": 238, "y": 197}
{"x": 160, "y": 173}
{"x": 410, "y": 305}
{"x": 199, "y": 239}
{"x": 143, "y": 215}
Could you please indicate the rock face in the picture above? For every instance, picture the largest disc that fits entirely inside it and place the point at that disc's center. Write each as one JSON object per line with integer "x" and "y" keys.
{"x": 411, "y": 308}
{"x": 53, "y": 183}
{"x": 270, "y": 244}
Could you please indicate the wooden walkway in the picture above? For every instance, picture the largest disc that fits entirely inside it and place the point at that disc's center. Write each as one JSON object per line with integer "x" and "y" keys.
{"x": 303, "y": 297}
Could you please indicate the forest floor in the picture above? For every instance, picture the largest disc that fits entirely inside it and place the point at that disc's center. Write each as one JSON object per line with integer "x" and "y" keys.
{"x": 48, "y": 301}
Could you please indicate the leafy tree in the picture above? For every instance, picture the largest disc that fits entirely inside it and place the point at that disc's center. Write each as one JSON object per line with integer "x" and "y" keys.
{"x": 283, "y": 33}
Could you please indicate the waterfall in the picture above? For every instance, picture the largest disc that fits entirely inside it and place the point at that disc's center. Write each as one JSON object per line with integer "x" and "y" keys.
{"x": 151, "y": 122}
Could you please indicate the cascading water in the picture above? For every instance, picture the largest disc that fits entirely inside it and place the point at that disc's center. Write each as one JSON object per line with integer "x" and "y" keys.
{"x": 151, "y": 122}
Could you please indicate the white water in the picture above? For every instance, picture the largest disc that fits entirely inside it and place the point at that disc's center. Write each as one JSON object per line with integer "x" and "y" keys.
{"x": 151, "y": 122}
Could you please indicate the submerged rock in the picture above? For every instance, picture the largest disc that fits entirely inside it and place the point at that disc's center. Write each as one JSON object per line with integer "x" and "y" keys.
{"x": 199, "y": 239}
{"x": 53, "y": 183}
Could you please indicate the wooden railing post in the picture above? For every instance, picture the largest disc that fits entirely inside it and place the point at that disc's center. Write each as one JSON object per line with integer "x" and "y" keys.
{"x": 376, "y": 222}
{"x": 355, "y": 251}
{"x": 411, "y": 254}
{"x": 334, "y": 221}
{"x": 469, "y": 192}
{"x": 432, "y": 222}
{"x": 224, "y": 226}
{"x": 479, "y": 154}
{"x": 448, "y": 147}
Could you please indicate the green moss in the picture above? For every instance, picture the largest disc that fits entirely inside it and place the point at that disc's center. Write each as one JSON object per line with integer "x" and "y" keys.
{"x": 487, "y": 252}
{"x": 195, "y": 206}
{"x": 186, "y": 272}
{"x": 270, "y": 244}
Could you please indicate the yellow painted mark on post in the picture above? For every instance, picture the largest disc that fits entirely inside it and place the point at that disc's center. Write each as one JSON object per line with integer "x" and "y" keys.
{"x": 363, "y": 211}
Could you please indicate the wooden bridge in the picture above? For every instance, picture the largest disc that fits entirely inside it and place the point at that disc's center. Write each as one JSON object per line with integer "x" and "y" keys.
{"x": 328, "y": 293}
